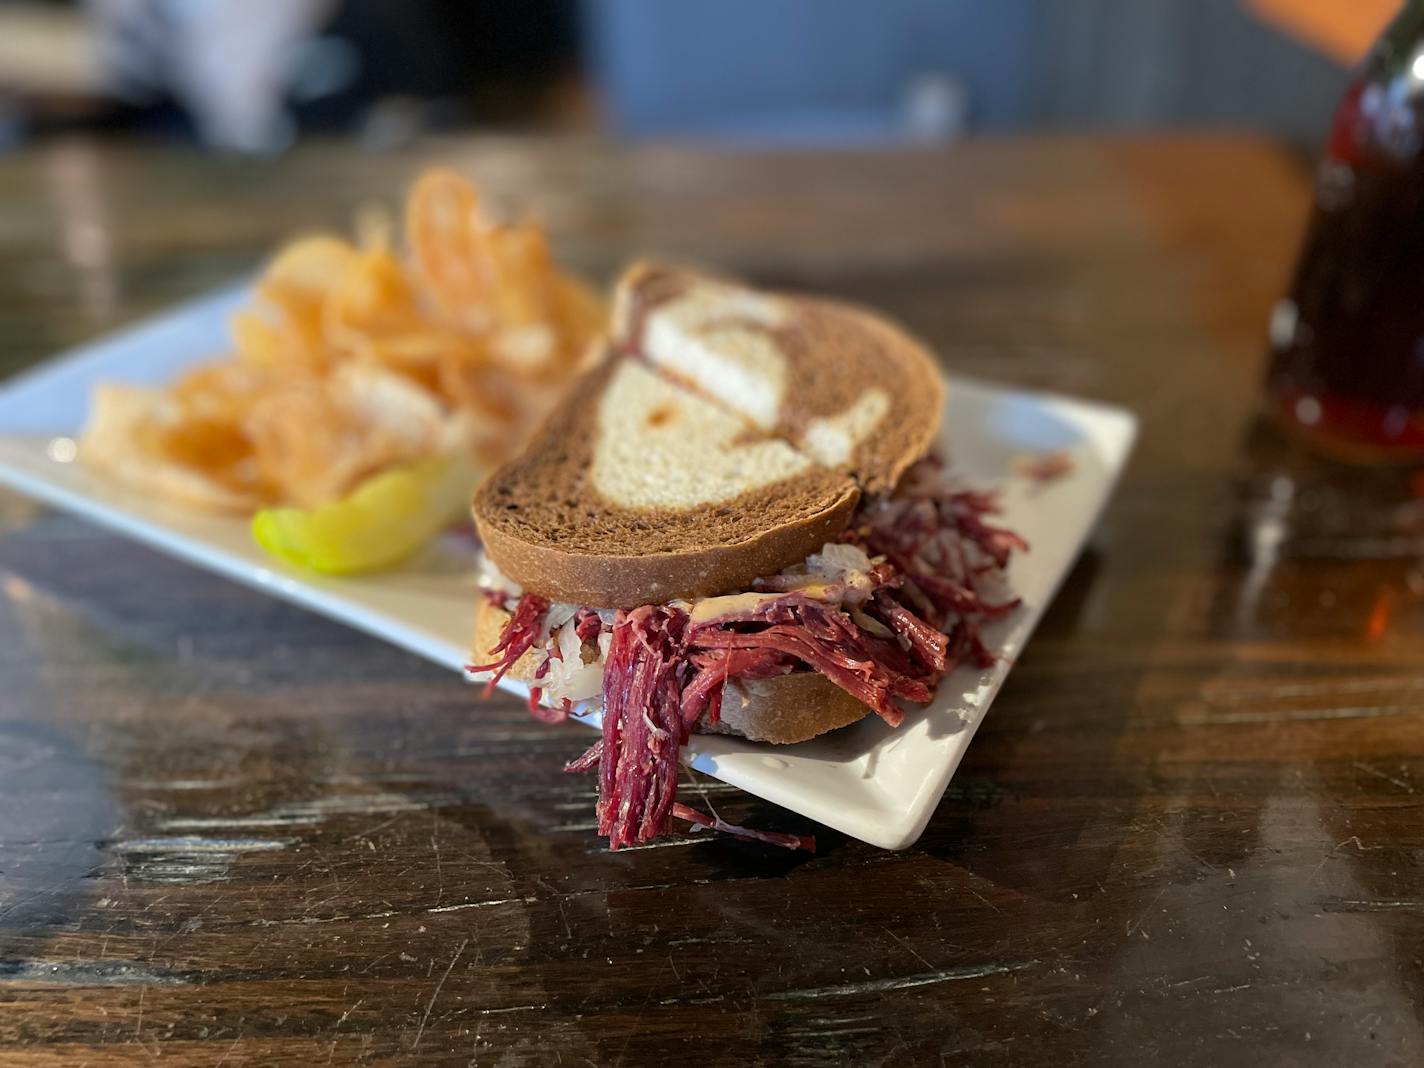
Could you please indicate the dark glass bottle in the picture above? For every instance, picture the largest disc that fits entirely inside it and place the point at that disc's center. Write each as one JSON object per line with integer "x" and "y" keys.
{"x": 1347, "y": 361}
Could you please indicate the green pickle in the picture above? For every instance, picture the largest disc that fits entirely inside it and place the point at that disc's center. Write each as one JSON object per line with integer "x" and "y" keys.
{"x": 381, "y": 522}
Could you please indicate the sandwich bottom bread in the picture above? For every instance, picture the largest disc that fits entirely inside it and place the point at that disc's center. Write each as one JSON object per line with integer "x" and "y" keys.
{"x": 781, "y": 709}
{"x": 873, "y": 619}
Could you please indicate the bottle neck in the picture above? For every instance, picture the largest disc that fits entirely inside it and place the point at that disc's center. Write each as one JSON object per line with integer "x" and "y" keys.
{"x": 1401, "y": 38}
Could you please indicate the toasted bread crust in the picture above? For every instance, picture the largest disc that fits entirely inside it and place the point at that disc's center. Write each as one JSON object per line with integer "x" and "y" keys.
{"x": 627, "y": 581}
{"x": 781, "y": 710}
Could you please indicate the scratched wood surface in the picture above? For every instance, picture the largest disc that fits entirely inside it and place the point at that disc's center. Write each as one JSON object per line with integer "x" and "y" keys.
{"x": 1189, "y": 830}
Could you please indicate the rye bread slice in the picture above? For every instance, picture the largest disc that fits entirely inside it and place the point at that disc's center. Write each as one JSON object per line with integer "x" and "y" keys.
{"x": 637, "y": 491}
{"x": 846, "y": 387}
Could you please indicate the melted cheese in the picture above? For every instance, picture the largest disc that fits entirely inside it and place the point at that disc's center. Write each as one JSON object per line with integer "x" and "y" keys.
{"x": 732, "y": 604}
{"x": 817, "y": 591}
{"x": 710, "y": 608}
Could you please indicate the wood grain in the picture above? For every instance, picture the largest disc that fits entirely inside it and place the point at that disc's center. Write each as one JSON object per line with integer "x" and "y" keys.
{"x": 1189, "y": 830}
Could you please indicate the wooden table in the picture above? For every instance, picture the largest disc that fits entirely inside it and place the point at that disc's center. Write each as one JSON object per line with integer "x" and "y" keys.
{"x": 1188, "y": 832}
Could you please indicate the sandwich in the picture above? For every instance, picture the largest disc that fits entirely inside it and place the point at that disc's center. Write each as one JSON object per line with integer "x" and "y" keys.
{"x": 734, "y": 522}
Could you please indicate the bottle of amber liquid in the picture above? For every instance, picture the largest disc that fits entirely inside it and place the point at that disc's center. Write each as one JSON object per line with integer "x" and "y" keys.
{"x": 1347, "y": 344}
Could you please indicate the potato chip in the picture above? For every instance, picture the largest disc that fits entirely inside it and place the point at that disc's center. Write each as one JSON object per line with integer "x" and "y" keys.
{"x": 374, "y": 315}
{"x": 119, "y": 440}
{"x": 286, "y": 324}
{"x": 580, "y": 316}
{"x": 356, "y": 359}
{"x": 523, "y": 271}
{"x": 449, "y": 244}
{"x": 314, "y": 441}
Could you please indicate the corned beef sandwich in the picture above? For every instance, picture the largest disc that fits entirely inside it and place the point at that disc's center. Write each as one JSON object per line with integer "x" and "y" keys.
{"x": 732, "y": 524}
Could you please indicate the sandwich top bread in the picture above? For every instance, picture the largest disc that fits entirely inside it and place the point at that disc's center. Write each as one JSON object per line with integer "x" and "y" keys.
{"x": 722, "y": 435}
{"x": 639, "y": 492}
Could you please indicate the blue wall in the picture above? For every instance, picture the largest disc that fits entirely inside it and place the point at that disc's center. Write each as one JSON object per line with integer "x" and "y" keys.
{"x": 678, "y": 65}
{"x": 759, "y": 66}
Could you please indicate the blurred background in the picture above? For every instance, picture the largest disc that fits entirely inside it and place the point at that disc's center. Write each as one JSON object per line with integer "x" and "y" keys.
{"x": 255, "y": 76}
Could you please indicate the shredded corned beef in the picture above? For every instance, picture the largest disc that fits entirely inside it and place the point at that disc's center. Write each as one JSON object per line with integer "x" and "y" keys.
{"x": 643, "y": 728}
{"x": 702, "y": 696}
{"x": 776, "y": 838}
{"x": 825, "y": 639}
{"x": 1045, "y": 466}
{"x": 936, "y": 537}
{"x": 518, "y": 636}
{"x": 588, "y": 760}
{"x": 587, "y": 625}
{"x": 555, "y": 713}
{"x": 884, "y": 635}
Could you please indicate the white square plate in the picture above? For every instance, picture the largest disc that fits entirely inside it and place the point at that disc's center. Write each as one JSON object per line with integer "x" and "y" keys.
{"x": 877, "y": 784}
